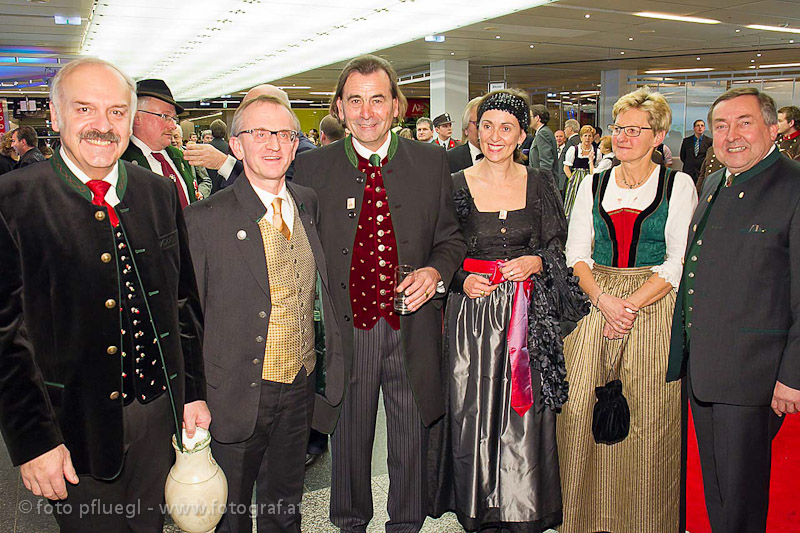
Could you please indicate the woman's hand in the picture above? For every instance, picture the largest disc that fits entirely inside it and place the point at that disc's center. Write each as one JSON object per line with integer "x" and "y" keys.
{"x": 610, "y": 333}
{"x": 476, "y": 286}
{"x": 521, "y": 268}
{"x": 619, "y": 314}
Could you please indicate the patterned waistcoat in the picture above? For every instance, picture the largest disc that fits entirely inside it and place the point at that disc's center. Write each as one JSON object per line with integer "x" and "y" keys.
{"x": 292, "y": 274}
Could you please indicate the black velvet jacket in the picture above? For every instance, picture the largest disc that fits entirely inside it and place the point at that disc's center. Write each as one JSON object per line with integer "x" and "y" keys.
{"x": 59, "y": 310}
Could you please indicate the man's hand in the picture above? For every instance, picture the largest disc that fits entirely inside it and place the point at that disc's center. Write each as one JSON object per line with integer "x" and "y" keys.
{"x": 419, "y": 287}
{"x": 204, "y": 155}
{"x": 785, "y": 400}
{"x": 195, "y": 414}
{"x": 44, "y": 475}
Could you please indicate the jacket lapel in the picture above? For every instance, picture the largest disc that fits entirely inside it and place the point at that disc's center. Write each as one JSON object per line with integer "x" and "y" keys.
{"x": 250, "y": 244}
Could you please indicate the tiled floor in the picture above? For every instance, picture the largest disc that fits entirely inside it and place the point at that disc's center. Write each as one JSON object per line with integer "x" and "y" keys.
{"x": 21, "y": 512}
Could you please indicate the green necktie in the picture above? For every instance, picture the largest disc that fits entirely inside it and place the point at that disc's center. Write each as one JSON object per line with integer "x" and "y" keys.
{"x": 375, "y": 160}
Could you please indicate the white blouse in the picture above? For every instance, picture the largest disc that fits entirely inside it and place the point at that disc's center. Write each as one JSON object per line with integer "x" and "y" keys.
{"x": 682, "y": 202}
{"x": 569, "y": 159}
{"x": 605, "y": 163}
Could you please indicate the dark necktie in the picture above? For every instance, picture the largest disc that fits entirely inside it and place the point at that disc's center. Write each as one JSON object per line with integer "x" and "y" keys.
{"x": 478, "y": 157}
{"x": 167, "y": 172}
{"x": 99, "y": 189}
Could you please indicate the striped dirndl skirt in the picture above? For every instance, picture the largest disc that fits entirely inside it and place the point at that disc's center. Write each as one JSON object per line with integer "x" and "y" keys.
{"x": 634, "y": 485}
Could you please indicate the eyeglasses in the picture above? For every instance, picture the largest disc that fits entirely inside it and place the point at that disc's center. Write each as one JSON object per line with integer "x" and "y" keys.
{"x": 630, "y": 131}
{"x": 261, "y": 135}
{"x": 162, "y": 116}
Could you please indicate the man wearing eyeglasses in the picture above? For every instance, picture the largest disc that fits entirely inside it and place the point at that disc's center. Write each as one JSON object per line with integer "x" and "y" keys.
{"x": 151, "y": 142}
{"x": 259, "y": 264}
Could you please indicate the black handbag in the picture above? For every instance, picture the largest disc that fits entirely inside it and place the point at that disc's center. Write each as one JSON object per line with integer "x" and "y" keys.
{"x": 611, "y": 418}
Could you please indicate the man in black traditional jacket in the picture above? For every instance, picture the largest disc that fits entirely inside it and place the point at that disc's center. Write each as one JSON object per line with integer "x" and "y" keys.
{"x": 100, "y": 322}
{"x": 736, "y": 327}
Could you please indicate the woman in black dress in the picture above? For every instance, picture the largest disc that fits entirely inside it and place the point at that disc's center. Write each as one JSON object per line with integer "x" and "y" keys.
{"x": 493, "y": 458}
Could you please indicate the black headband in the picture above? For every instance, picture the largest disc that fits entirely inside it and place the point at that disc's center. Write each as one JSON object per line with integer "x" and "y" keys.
{"x": 509, "y": 103}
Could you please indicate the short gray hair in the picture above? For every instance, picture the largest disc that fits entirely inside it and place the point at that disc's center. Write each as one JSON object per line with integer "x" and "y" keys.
{"x": 659, "y": 114}
{"x": 57, "y": 93}
{"x": 765, "y": 103}
{"x": 263, "y": 99}
{"x": 425, "y": 120}
{"x": 573, "y": 124}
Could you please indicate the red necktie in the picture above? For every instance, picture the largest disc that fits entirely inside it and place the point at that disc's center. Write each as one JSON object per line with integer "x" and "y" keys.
{"x": 99, "y": 189}
{"x": 167, "y": 172}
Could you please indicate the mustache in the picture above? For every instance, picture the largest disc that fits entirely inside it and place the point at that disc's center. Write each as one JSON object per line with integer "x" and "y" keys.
{"x": 100, "y": 136}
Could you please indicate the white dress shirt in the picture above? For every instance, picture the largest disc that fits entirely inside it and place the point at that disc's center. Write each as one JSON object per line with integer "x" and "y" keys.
{"x": 112, "y": 177}
{"x": 474, "y": 152}
{"x": 365, "y": 152}
{"x": 682, "y": 202}
{"x": 155, "y": 165}
{"x": 287, "y": 206}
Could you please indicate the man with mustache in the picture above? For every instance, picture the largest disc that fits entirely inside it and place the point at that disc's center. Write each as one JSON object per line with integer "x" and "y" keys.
{"x": 736, "y": 327}
{"x": 151, "y": 142}
{"x": 383, "y": 200}
{"x": 100, "y": 321}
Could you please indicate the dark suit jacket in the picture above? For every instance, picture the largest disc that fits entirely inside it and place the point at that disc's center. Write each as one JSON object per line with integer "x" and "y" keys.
{"x": 217, "y": 181}
{"x": 544, "y": 150}
{"x": 234, "y": 292}
{"x": 692, "y": 163}
{"x": 135, "y": 156}
{"x": 745, "y": 331}
{"x": 7, "y": 164}
{"x": 459, "y": 158}
{"x": 419, "y": 190}
{"x": 56, "y": 374}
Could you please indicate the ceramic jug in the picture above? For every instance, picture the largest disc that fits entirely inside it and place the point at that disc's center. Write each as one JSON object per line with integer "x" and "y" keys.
{"x": 196, "y": 490}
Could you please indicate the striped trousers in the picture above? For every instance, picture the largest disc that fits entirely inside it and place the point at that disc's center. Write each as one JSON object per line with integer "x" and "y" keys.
{"x": 378, "y": 365}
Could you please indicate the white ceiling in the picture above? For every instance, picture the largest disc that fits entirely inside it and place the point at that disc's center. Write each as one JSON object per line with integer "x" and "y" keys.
{"x": 569, "y": 50}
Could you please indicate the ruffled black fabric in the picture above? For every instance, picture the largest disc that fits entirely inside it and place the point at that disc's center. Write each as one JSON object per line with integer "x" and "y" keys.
{"x": 463, "y": 200}
{"x": 556, "y": 298}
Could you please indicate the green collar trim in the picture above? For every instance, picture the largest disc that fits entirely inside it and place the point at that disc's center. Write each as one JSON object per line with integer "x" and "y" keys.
{"x": 352, "y": 156}
{"x": 73, "y": 182}
{"x": 762, "y": 165}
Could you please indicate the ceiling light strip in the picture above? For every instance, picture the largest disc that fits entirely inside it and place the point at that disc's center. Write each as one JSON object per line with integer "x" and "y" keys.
{"x": 679, "y": 18}
{"x": 302, "y": 36}
{"x": 781, "y": 29}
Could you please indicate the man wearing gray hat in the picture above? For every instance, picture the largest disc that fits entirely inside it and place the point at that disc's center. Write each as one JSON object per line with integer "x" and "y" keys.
{"x": 443, "y": 125}
{"x": 150, "y": 146}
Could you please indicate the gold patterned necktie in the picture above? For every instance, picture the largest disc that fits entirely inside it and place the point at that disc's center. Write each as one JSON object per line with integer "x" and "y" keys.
{"x": 277, "y": 219}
